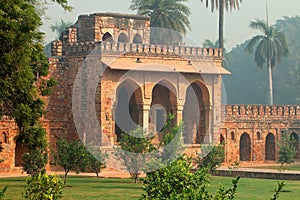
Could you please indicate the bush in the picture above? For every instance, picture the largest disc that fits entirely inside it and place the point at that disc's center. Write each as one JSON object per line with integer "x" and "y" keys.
{"x": 34, "y": 161}
{"x": 2, "y": 192}
{"x": 176, "y": 181}
{"x": 43, "y": 187}
{"x": 211, "y": 157}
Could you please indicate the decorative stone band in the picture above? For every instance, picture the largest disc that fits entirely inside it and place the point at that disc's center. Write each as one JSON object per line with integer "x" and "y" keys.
{"x": 259, "y": 111}
{"x": 58, "y": 49}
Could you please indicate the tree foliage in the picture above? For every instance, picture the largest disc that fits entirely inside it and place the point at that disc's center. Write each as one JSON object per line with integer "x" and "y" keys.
{"x": 222, "y": 5}
{"x": 23, "y": 70}
{"x": 248, "y": 84}
{"x": 70, "y": 155}
{"x": 269, "y": 48}
{"x": 34, "y": 161}
{"x": 132, "y": 146}
{"x": 95, "y": 160}
{"x": 211, "y": 157}
{"x": 287, "y": 150}
{"x": 169, "y": 17}
{"x": 176, "y": 181}
{"x": 43, "y": 186}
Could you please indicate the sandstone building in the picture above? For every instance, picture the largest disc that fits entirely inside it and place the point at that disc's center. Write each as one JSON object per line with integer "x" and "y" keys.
{"x": 106, "y": 69}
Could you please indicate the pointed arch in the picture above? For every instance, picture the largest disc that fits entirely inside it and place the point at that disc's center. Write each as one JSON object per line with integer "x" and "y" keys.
{"x": 123, "y": 38}
{"x": 4, "y": 138}
{"x": 128, "y": 112}
{"x": 196, "y": 113}
{"x": 107, "y": 37}
{"x": 245, "y": 147}
{"x": 270, "y": 147}
{"x": 164, "y": 102}
{"x": 296, "y": 144}
{"x": 137, "y": 39}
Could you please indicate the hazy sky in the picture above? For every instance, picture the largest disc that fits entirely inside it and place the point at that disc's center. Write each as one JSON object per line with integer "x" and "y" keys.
{"x": 204, "y": 22}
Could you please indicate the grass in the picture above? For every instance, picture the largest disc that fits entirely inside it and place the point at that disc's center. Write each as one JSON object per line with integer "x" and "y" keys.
{"x": 294, "y": 167}
{"x": 85, "y": 188}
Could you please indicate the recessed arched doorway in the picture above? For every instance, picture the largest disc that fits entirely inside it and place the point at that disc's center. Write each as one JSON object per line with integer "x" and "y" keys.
{"x": 295, "y": 137}
{"x": 270, "y": 147}
{"x": 122, "y": 38}
{"x": 196, "y": 113}
{"x": 107, "y": 37}
{"x": 137, "y": 39}
{"x": 245, "y": 147}
{"x": 128, "y": 113}
{"x": 163, "y": 103}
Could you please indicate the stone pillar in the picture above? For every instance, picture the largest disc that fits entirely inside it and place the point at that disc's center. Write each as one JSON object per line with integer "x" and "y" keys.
{"x": 146, "y": 109}
{"x": 209, "y": 122}
{"x": 179, "y": 110}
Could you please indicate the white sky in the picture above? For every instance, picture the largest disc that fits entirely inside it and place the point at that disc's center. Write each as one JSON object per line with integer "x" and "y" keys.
{"x": 204, "y": 23}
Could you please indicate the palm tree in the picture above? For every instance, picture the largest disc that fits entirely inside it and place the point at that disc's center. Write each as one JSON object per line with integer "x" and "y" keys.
{"x": 221, "y": 5}
{"x": 269, "y": 48}
{"x": 165, "y": 14}
{"x": 60, "y": 26}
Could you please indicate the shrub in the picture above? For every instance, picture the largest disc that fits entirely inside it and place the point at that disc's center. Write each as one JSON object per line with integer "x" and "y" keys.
{"x": 176, "y": 181}
{"x": 34, "y": 161}
{"x": 2, "y": 192}
{"x": 211, "y": 157}
{"x": 43, "y": 186}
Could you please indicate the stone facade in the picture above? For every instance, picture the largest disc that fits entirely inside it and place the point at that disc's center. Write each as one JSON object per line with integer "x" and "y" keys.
{"x": 251, "y": 132}
{"x": 106, "y": 69}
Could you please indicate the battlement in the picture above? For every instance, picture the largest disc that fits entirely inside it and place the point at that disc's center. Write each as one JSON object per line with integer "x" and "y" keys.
{"x": 261, "y": 111}
{"x": 111, "y": 48}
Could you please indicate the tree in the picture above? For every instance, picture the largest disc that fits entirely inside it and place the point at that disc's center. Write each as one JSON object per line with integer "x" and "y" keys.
{"x": 269, "y": 48}
{"x": 221, "y": 5}
{"x": 211, "y": 157}
{"x": 60, "y": 26}
{"x": 287, "y": 150}
{"x": 167, "y": 16}
{"x": 34, "y": 161}
{"x": 23, "y": 70}
{"x": 70, "y": 155}
{"x": 95, "y": 160}
{"x": 133, "y": 145}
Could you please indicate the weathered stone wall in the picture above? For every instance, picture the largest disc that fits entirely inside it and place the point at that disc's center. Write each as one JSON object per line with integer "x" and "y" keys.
{"x": 258, "y": 121}
{"x": 8, "y": 131}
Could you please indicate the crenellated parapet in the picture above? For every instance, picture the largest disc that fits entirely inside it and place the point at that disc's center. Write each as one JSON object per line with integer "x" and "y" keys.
{"x": 261, "y": 112}
{"x": 111, "y": 48}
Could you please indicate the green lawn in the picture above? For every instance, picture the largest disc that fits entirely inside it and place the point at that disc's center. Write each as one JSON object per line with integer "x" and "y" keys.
{"x": 121, "y": 189}
{"x": 295, "y": 167}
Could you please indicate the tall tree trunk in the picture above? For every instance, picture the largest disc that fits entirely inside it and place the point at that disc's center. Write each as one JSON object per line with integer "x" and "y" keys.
{"x": 221, "y": 24}
{"x": 270, "y": 82}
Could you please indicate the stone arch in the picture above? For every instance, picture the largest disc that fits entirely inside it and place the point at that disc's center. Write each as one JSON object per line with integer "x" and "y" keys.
{"x": 245, "y": 147}
{"x": 222, "y": 139}
{"x": 196, "y": 113}
{"x": 137, "y": 39}
{"x": 258, "y": 135}
{"x": 164, "y": 102}
{"x": 107, "y": 37}
{"x": 4, "y": 138}
{"x": 296, "y": 144}
{"x": 128, "y": 107}
{"x": 123, "y": 38}
{"x": 20, "y": 150}
{"x": 232, "y": 135}
{"x": 270, "y": 147}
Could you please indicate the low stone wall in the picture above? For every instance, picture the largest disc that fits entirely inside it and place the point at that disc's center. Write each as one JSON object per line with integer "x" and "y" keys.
{"x": 284, "y": 175}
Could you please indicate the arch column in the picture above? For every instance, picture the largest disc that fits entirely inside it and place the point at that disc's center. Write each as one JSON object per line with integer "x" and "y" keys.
{"x": 146, "y": 110}
{"x": 179, "y": 110}
{"x": 209, "y": 122}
